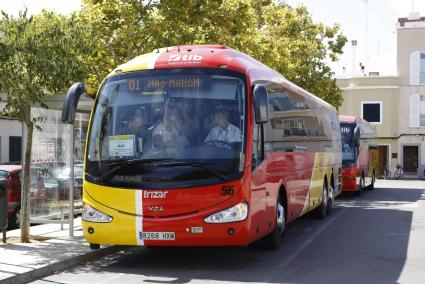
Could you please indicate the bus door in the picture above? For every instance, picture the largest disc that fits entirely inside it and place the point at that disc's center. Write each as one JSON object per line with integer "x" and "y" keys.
{"x": 258, "y": 180}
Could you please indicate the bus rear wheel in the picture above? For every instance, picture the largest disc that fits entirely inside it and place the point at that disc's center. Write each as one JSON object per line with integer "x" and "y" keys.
{"x": 372, "y": 184}
{"x": 321, "y": 211}
{"x": 361, "y": 186}
{"x": 330, "y": 200}
{"x": 272, "y": 240}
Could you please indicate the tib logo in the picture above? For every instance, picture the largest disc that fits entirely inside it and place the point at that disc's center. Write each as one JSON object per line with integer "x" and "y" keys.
{"x": 184, "y": 57}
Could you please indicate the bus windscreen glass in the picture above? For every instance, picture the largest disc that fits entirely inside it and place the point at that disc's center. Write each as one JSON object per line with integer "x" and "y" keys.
{"x": 348, "y": 147}
{"x": 168, "y": 128}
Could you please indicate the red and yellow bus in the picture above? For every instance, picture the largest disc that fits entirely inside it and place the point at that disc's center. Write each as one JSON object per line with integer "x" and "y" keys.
{"x": 359, "y": 154}
{"x": 204, "y": 146}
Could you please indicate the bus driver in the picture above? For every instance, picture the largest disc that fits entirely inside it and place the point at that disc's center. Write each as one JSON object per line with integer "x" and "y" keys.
{"x": 224, "y": 131}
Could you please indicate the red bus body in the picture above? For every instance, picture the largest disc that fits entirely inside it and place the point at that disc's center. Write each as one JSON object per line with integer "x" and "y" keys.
{"x": 301, "y": 150}
{"x": 360, "y": 172}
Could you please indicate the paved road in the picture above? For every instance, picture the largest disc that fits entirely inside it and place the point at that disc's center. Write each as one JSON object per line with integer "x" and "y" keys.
{"x": 376, "y": 238}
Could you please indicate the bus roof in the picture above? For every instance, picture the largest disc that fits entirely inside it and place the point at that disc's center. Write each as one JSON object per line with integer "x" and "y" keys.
{"x": 212, "y": 56}
{"x": 348, "y": 118}
{"x": 353, "y": 119}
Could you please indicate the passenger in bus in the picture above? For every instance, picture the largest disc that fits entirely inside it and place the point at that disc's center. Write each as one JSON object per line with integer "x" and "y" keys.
{"x": 134, "y": 127}
{"x": 224, "y": 131}
{"x": 168, "y": 135}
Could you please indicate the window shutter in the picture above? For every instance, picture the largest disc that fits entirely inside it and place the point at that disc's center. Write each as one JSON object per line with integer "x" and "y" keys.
{"x": 414, "y": 111}
{"x": 414, "y": 67}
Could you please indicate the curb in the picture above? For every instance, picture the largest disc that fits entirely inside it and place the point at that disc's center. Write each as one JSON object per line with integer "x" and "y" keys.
{"x": 60, "y": 266}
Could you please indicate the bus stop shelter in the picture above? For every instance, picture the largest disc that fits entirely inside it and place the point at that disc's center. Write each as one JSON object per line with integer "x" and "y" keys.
{"x": 57, "y": 162}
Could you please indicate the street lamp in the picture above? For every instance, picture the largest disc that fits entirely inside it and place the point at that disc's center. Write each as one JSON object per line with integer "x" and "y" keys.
{"x": 366, "y": 6}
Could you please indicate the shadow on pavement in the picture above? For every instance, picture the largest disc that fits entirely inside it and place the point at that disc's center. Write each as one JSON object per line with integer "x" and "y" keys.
{"x": 366, "y": 242}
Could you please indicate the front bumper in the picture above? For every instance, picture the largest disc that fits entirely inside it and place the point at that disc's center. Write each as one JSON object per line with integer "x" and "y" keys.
{"x": 189, "y": 230}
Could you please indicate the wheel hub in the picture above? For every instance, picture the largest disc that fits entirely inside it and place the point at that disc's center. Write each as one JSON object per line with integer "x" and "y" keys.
{"x": 280, "y": 219}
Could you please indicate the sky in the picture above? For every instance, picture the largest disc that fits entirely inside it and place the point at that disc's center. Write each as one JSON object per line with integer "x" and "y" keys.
{"x": 382, "y": 17}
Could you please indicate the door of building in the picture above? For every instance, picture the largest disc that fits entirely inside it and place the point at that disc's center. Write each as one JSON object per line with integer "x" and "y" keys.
{"x": 383, "y": 159}
{"x": 410, "y": 160}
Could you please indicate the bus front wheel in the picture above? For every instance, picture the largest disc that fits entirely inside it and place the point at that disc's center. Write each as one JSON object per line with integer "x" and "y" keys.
{"x": 272, "y": 240}
{"x": 94, "y": 246}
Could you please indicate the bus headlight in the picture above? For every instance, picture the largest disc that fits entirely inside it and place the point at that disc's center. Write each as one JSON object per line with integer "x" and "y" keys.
{"x": 236, "y": 213}
{"x": 92, "y": 215}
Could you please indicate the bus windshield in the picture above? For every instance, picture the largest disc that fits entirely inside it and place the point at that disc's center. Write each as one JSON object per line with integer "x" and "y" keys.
{"x": 173, "y": 127}
{"x": 348, "y": 147}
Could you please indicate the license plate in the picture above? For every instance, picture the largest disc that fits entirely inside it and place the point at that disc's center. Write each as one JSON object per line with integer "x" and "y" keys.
{"x": 160, "y": 236}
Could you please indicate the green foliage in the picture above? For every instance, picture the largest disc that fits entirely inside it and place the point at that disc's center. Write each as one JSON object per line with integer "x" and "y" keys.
{"x": 121, "y": 31}
{"x": 282, "y": 37}
{"x": 39, "y": 55}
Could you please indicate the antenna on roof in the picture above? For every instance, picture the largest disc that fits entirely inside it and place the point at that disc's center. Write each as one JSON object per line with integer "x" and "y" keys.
{"x": 166, "y": 49}
{"x": 157, "y": 51}
{"x": 178, "y": 48}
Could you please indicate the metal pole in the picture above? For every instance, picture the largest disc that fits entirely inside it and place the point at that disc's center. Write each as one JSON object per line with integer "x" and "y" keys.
{"x": 4, "y": 236}
{"x": 71, "y": 181}
{"x": 367, "y": 64}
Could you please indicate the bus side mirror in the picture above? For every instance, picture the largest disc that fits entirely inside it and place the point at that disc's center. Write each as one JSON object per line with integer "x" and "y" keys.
{"x": 261, "y": 104}
{"x": 357, "y": 137}
{"x": 71, "y": 102}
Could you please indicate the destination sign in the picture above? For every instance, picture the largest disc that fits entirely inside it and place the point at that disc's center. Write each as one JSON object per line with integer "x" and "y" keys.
{"x": 137, "y": 85}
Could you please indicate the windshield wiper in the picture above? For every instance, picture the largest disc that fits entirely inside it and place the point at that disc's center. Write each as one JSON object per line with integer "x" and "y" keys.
{"x": 124, "y": 164}
{"x": 195, "y": 165}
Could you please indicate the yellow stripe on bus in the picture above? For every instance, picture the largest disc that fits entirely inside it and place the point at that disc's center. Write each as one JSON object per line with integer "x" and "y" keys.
{"x": 124, "y": 223}
{"x": 142, "y": 62}
{"x": 321, "y": 168}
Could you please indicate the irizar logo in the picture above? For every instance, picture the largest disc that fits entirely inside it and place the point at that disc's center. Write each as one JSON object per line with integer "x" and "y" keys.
{"x": 184, "y": 57}
{"x": 155, "y": 194}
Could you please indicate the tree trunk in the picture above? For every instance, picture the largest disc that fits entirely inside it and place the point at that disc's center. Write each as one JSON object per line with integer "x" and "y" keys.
{"x": 25, "y": 195}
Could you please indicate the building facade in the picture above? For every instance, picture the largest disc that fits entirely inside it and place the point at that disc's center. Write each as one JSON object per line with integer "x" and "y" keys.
{"x": 395, "y": 104}
{"x": 376, "y": 99}
{"x": 411, "y": 68}
{"x": 10, "y": 138}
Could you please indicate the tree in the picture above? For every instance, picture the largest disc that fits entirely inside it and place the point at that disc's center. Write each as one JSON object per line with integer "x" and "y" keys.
{"x": 40, "y": 55}
{"x": 282, "y": 37}
{"x": 122, "y": 29}
{"x": 299, "y": 48}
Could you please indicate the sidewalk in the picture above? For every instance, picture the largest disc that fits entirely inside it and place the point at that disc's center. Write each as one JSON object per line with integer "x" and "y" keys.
{"x": 54, "y": 251}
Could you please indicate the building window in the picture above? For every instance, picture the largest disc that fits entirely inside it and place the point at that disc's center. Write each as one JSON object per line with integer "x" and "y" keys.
{"x": 417, "y": 111}
{"x": 15, "y": 144}
{"x": 422, "y": 111}
{"x": 417, "y": 68}
{"x": 372, "y": 111}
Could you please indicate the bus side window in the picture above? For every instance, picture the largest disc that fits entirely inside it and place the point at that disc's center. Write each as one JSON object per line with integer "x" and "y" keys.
{"x": 257, "y": 145}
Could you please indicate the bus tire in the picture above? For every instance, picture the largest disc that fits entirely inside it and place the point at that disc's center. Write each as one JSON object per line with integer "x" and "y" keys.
{"x": 372, "y": 184}
{"x": 361, "y": 187}
{"x": 272, "y": 240}
{"x": 320, "y": 212}
{"x": 331, "y": 197}
{"x": 94, "y": 246}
